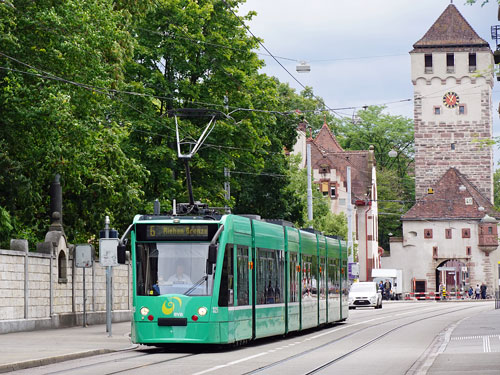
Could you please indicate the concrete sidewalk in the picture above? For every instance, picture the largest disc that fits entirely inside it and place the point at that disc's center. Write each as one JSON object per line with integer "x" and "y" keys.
{"x": 473, "y": 347}
{"x": 468, "y": 346}
{"x": 21, "y": 350}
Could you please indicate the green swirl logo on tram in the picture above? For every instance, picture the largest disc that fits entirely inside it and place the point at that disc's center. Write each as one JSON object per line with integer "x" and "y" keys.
{"x": 168, "y": 308}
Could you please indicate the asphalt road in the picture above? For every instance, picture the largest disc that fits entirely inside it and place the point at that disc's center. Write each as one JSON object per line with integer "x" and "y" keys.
{"x": 401, "y": 338}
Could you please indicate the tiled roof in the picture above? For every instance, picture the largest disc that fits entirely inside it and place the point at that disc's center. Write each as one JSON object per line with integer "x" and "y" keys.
{"x": 450, "y": 30}
{"x": 448, "y": 202}
{"x": 326, "y": 140}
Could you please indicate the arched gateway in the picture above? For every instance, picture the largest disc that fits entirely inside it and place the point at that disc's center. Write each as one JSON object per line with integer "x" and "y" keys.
{"x": 452, "y": 275}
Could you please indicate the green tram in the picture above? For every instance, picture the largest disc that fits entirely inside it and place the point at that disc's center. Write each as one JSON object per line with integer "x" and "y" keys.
{"x": 200, "y": 280}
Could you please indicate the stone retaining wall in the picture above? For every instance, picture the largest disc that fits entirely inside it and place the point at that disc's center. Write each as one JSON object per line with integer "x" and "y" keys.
{"x": 44, "y": 295}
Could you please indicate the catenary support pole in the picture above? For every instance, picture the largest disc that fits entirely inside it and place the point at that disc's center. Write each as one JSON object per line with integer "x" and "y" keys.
{"x": 350, "y": 249}
{"x": 108, "y": 283}
{"x": 309, "y": 187}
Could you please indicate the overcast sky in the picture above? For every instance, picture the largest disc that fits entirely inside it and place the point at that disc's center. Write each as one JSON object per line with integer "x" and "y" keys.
{"x": 365, "y": 43}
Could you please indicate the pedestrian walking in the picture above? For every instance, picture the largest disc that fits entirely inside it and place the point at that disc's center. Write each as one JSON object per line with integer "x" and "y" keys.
{"x": 471, "y": 292}
{"x": 478, "y": 291}
{"x": 483, "y": 291}
{"x": 387, "y": 289}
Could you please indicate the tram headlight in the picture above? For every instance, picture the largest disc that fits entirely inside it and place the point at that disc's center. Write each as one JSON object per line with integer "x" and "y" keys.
{"x": 202, "y": 311}
{"x": 144, "y": 311}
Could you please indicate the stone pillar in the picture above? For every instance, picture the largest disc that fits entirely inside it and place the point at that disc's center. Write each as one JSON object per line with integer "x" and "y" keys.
{"x": 56, "y": 202}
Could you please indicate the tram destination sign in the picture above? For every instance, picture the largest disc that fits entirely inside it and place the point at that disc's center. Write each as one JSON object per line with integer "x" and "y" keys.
{"x": 176, "y": 232}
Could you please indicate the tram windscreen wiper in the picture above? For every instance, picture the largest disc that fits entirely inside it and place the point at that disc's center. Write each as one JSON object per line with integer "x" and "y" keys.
{"x": 196, "y": 284}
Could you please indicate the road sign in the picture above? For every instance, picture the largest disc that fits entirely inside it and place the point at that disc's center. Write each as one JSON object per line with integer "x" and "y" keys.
{"x": 108, "y": 252}
{"x": 83, "y": 256}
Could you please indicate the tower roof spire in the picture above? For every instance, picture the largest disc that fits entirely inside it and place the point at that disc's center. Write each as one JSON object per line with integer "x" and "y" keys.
{"x": 450, "y": 30}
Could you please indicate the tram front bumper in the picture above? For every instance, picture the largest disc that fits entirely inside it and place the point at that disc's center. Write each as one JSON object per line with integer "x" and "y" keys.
{"x": 192, "y": 333}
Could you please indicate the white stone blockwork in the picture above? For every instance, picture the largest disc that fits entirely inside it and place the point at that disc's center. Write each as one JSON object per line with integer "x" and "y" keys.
{"x": 67, "y": 297}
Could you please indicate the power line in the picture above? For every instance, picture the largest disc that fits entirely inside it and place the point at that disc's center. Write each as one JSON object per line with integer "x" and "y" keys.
{"x": 275, "y": 59}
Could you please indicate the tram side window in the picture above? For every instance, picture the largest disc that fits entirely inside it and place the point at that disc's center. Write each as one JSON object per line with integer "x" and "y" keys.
{"x": 242, "y": 272}
{"x": 314, "y": 275}
{"x": 226, "y": 295}
{"x": 270, "y": 276}
{"x": 333, "y": 285}
{"x": 306, "y": 276}
{"x": 322, "y": 278}
{"x": 294, "y": 278}
{"x": 345, "y": 284}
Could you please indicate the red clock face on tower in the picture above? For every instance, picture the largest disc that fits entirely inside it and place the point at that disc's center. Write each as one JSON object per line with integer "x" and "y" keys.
{"x": 451, "y": 99}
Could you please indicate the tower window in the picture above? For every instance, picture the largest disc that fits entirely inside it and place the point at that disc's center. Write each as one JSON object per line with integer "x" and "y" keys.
{"x": 437, "y": 110}
{"x": 427, "y": 233}
{"x": 428, "y": 63}
{"x": 465, "y": 233}
{"x": 472, "y": 62}
{"x": 448, "y": 233}
{"x": 434, "y": 252}
{"x": 461, "y": 109}
{"x": 453, "y": 146}
{"x": 450, "y": 63}
{"x": 468, "y": 251}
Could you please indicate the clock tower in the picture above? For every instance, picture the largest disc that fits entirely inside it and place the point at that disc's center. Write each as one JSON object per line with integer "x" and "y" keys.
{"x": 452, "y": 76}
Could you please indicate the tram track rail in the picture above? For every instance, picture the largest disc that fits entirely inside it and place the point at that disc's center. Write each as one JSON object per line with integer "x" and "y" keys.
{"x": 351, "y": 352}
{"x": 138, "y": 355}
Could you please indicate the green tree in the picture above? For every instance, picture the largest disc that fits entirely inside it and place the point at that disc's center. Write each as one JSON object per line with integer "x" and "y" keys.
{"x": 52, "y": 123}
{"x": 496, "y": 188}
{"x": 198, "y": 55}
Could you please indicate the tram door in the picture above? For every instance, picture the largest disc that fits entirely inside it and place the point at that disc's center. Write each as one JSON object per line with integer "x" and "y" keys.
{"x": 242, "y": 312}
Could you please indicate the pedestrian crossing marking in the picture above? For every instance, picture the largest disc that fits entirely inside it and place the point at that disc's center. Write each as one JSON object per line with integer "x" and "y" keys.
{"x": 460, "y": 338}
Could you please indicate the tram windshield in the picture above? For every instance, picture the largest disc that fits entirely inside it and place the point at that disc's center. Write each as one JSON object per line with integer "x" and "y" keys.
{"x": 172, "y": 268}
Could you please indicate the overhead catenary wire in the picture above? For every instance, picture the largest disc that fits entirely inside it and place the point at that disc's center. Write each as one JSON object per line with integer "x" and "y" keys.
{"x": 103, "y": 90}
{"x": 275, "y": 59}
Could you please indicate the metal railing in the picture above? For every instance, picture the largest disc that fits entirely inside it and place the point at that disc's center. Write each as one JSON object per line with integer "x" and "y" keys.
{"x": 497, "y": 299}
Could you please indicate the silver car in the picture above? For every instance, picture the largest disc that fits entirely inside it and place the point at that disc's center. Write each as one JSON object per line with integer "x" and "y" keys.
{"x": 365, "y": 294}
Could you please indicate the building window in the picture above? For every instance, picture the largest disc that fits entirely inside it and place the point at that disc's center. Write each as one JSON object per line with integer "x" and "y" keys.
{"x": 435, "y": 252}
{"x": 461, "y": 109}
{"x": 472, "y": 62}
{"x": 427, "y": 233}
{"x": 324, "y": 169}
{"x": 437, "y": 110}
{"x": 450, "y": 63}
{"x": 453, "y": 146}
{"x": 428, "y": 63}
{"x": 333, "y": 191}
{"x": 465, "y": 233}
{"x": 490, "y": 230}
{"x": 448, "y": 233}
{"x": 468, "y": 251}
{"x": 324, "y": 188}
